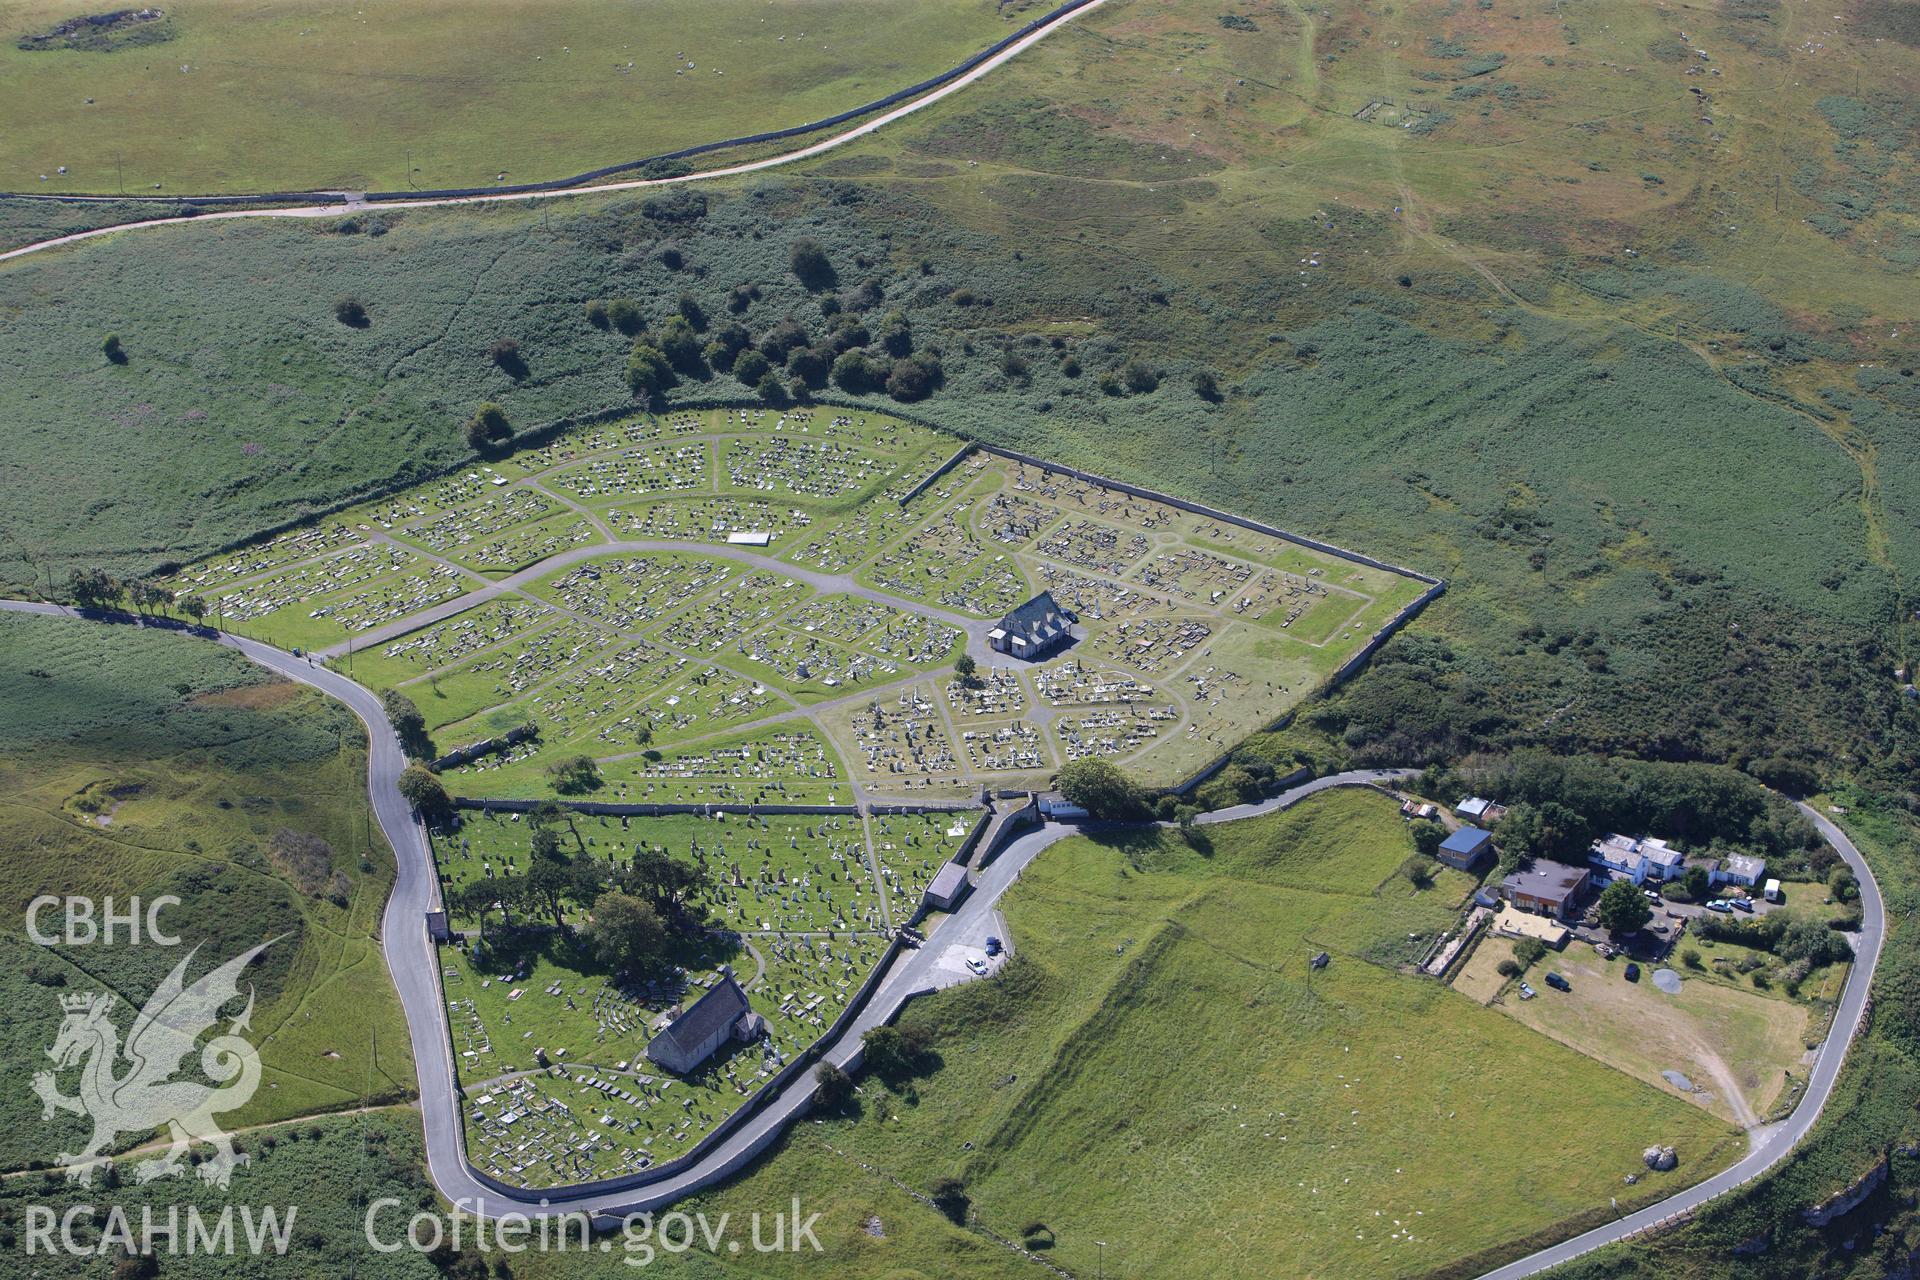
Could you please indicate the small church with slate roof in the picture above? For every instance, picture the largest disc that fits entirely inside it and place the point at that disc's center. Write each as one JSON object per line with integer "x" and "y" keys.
{"x": 1034, "y": 630}
{"x": 721, "y": 1015}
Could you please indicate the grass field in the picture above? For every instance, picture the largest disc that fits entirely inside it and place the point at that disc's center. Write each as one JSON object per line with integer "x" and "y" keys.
{"x": 222, "y": 97}
{"x": 1735, "y": 1045}
{"x": 148, "y": 763}
{"x": 1337, "y": 1108}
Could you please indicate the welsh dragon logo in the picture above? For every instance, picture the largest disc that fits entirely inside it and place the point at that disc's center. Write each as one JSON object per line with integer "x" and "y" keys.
{"x": 145, "y": 1096}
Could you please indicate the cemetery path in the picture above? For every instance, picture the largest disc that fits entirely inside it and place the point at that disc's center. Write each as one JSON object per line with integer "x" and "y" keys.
{"x": 357, "y": 204}
{"x": 515, "y": 583}
{"x": 411, "y": 960}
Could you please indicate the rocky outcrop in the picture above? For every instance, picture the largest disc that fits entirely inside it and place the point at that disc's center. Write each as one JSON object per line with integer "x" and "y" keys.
{"x": 1846, "y": 1201}
{"x": 1660, "y": 1158}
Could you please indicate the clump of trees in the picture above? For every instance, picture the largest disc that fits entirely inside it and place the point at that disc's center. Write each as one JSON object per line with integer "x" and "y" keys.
{"x": 649, "y": 372}
{"x": 421, "y": 789}
{"x": 409, "y": 725}
{"x": 488, "y": 428}
{"x": 1102, "y": 788}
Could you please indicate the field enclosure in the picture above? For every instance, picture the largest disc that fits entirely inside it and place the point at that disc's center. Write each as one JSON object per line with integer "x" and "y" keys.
{"x": 218, "y": 96}
{"x": 748, "y": 605}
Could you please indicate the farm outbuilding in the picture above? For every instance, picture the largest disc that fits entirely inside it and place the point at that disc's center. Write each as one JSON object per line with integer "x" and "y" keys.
{"x": 948, "y": 887}
{"x": 1469, "y": 849}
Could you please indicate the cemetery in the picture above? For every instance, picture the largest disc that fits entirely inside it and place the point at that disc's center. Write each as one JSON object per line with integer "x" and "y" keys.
{"x": 550, "y": 1047}
{"x": 717, "y": 605}
{"x": 732, "y": 611}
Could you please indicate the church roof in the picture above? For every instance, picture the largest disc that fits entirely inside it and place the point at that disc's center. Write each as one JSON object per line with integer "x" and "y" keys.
{"x": 1038, "y": 621}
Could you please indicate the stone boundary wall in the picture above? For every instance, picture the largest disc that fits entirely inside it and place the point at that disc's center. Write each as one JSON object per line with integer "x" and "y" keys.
{"x": 802, "y": 1063}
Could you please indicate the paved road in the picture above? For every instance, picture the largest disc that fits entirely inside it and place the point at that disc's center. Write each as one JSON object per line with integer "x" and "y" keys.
{"x": 413, "y": 963}
{"x": 786, "y": 157}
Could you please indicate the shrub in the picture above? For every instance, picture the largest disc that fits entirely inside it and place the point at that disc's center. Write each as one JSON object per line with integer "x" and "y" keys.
{"x": 110, "y": 348}
{"x": 626, "y": 317}
{"x": 597, "y": 314}
{"x": 854, "y": 373}
{"x": 1509, "y": 969}
{"x": 810, "y": 264}
{"x": 692, "y": 312}
{"x": 950, "y": 1197}
{"x": 912, "y": 378}
{"x": 648, "y": 371}
{"x": 489, "y": 427}
{"x": 750, "y": 367}
{"x": 349, "y": 311}
{"x": 1427, "y": 835}
{"x": 832, "y": 1087}
{"x": 1139, "y": 377}
{"x": 1206, "y": 385}
{"x": 505, "y": 354}
{"x": 678, "y": 342}
{"x": 1690, "y": 957}
{"x": 1528, "y": 951}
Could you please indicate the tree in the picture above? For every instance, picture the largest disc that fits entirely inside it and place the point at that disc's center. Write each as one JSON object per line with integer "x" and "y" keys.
{"x": 966, "y": 668}
{"x": 893, "y": 1053}
{"x": 667, "y": 883}
{"x": 625, "y": 934}
{"x": 350, "y": 311}
{"x": 1548, "y": 830}
{"x": 649, "y": 372}
{"x": 1139, "y": 377}
{"x": 643, "y": 734}
{"x": 750, "y": 366}
{"x": 681, "y": 346}
{"x": 409, "y": 725}
{"x": 832, "y": 1087}
{"x": 94, "y": 589}
{"x": 110, "y": 348}
{"x": 1623, "y": 908}
{"x": 597, "y": 314}
{"x": 194, "y": 607}
{"x": 421, "y": 789}
{"x": 574, "y": 774}
{"x": 771, "y": 389}
{"x": 625, "y": 316}
{"x": 782, "y": 338}
{"x": 912, "y": 378}
{"x": 1528, "y": 951}
{"x": 1206, "y": 385}
{"x": 692, "y": 312}
{"x": 1100, "y": 787}
{"x": 1428, "y": 836}
{"x": 489, "y": 427}
{"x": 809, "y": 364}
{"x": 854, "y": 373}
{"x": 810, "y": 264}
{"x": 505, "y": 354}
{"x": 894, "y": 335}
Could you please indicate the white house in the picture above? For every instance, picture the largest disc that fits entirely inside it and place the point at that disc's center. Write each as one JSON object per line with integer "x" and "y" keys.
{"x": 1741, "y": 869}
{"x": 1620, "y": 855}
{"x": 1474, "y": 809}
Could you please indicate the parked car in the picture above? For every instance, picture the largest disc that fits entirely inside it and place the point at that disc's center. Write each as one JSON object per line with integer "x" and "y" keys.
{"x": 1653, "y": 895}
{"x": 1633, "y": 972}
{"x": 1527, "y": 992}
{"x": 1720, "y": 905}
{"x": 1558, "y": 983}
{"x": 978, "y": 966}
{"x": 993, "y": 946}
{"x": 1743, "y": 904}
